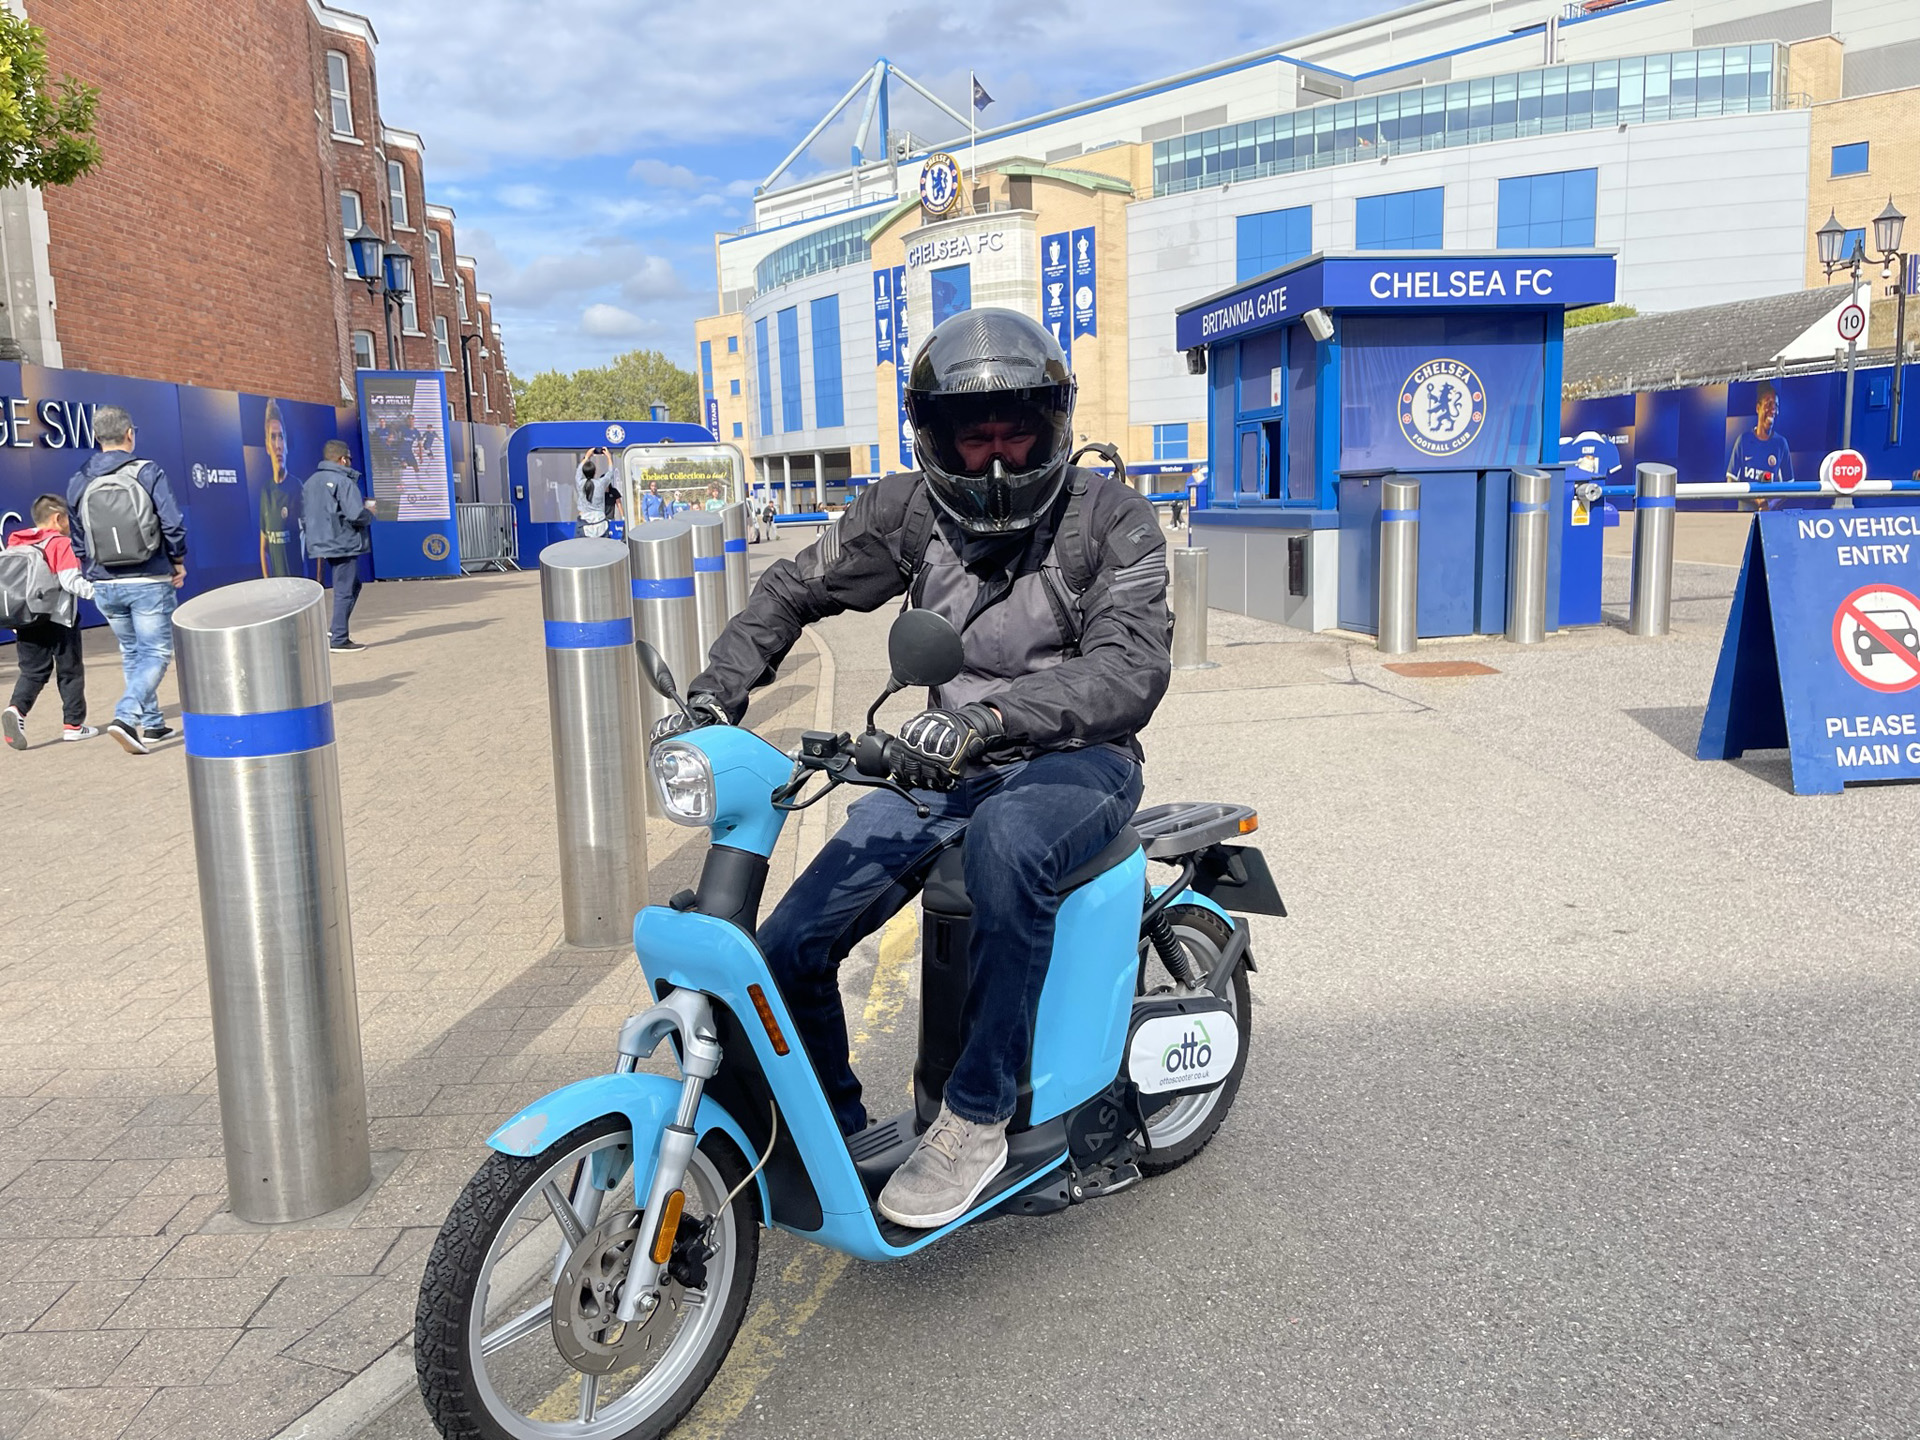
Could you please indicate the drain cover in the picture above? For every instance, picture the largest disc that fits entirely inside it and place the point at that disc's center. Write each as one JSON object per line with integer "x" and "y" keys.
{"x": 1440, "y": 669}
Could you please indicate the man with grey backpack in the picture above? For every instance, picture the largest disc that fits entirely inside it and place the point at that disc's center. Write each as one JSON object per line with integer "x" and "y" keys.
{"x": 132, "y": 542}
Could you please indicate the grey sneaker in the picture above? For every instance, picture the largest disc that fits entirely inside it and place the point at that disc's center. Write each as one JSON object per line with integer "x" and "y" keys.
{"x": 955, "y": 1160}
{"x": 13, "y": 727}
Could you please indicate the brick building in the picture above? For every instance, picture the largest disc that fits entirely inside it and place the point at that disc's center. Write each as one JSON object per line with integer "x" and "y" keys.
{"x": 243, "y": 142}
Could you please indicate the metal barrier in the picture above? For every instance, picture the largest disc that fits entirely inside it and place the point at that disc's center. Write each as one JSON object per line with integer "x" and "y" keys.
{"x": 709, "y": 580}
{"x": 1528, "y": 521}
{"x": 263, "y": 784}
{"x": 1399, "y": 567}
{"x": 733, "y": 520}
{"x": 660, "y": 553}
{"x": 599, "y": 746}
{"x": 1650, "y": 601}
{"x": 487, "y": 537}
{"x": 1189, "y": 608}
{"x": 1742, "y": 489}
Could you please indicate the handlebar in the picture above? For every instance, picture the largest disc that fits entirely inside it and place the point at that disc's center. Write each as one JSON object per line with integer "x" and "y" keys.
{"x": 869, "y": 759}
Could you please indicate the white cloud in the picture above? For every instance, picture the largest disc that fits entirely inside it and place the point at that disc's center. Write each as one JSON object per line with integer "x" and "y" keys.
{"x": 610, "y": 322}
{"x": 672, "y": 177}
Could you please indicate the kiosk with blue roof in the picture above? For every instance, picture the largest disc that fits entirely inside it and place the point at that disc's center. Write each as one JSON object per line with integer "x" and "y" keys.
{"x": 1341, "y": 370}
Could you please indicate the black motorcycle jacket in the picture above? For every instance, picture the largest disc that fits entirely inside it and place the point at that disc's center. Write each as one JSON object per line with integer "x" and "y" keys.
{"x": 1064, "y": 669}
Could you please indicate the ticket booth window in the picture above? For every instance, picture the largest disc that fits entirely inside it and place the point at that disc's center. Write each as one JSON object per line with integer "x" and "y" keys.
{"x": 1271, "y": 383}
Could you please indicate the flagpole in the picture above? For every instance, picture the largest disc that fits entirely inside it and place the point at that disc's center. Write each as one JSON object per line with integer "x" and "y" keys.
{"x": 973, "y": 111}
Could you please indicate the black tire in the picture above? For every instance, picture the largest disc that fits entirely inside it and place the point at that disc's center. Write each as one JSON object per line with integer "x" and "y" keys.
{"x": 443, "y": 1360}
{"x": 1199, "y": 929}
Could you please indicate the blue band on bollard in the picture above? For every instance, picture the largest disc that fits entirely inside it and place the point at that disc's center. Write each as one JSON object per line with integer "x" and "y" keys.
{"x": 1525, "y": 507}
{"x": 735, "y": 547}
{"x": 589, "y": 634}
{"x": 1399, "y": 515}
{"x": 1654, "y": 502}
{"x": 663, "y": 589}
{"x": 709, "y": 564}
{"x": 252, "y": 737}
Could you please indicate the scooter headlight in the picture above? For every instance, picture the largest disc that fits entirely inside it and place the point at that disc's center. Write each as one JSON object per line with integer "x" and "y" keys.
{"x": 684, "y": 781}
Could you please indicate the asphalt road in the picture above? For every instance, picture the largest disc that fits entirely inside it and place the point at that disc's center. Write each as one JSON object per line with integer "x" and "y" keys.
{"x": 1581, "y": 1100}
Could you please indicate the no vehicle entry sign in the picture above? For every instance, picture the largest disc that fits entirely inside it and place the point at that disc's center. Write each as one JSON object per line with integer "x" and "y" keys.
{"x": 1822, "y": 651}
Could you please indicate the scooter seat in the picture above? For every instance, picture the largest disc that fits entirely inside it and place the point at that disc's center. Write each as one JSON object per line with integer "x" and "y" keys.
{"x": 946, "y": 887}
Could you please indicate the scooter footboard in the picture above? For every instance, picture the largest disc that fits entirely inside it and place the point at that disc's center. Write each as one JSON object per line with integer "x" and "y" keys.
{"x": 649, "y": 1102}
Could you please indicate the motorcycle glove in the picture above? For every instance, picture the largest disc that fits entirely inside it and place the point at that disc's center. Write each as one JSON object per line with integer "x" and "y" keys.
{"x": 939, "y": 743}
{"x": 704, "y": 710}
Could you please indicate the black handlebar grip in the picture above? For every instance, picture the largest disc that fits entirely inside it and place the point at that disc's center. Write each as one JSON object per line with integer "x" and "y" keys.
{"x": 872, "y": 754}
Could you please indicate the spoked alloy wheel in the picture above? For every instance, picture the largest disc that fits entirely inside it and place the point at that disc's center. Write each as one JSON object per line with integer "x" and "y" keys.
{"x": 516, "y": 1336}
{"x": 1181, "y": 1126}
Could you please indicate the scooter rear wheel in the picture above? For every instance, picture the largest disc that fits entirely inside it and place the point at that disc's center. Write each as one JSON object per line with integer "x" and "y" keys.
{"x": 1181, "y": 1128}
{"x": 487, "y": 1349}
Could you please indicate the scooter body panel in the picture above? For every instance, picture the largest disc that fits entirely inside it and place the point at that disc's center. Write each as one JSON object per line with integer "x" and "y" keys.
{"x": 1086, "y": 1003}
{"x": 746, "y": 769}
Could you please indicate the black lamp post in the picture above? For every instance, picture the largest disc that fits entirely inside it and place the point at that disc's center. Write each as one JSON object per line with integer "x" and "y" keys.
{"x": 399, "y": 277}
{"x": 369, "y": 252}
{"x": 1832, "y": 240}
{"x": 1887, "y": 228}
{"x": 466, "y": 370}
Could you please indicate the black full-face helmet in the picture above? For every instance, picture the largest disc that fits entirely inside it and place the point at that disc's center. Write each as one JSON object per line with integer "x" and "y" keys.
{"x": 985, "y": 366}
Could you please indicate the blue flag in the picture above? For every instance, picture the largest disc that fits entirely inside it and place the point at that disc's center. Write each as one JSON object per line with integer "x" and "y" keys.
{"x": 981, "y": 99}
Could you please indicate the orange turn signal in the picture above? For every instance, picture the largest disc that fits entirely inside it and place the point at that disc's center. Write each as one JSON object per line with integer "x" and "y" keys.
{"x": 669, "y": 1227}
{"x": 1250, "y": 824}
{"x": 765, "y": 1011}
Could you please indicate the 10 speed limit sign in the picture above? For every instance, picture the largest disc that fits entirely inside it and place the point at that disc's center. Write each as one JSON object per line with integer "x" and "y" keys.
{"x": 1852, "y": 322}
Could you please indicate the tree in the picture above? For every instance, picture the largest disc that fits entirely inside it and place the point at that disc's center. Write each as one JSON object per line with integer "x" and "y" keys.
{"x": 1598, "y": 315}
{"x": 625, "y": 389}
{"x": 46, "y": 130}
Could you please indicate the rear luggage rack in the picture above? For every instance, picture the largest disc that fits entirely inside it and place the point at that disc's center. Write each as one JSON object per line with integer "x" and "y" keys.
{"x": 1171, "y": 831}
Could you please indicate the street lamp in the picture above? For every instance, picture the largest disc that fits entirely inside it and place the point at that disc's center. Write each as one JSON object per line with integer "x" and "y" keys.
{"x": 1832, "y": 239}
{"x": 1887, "y": 228}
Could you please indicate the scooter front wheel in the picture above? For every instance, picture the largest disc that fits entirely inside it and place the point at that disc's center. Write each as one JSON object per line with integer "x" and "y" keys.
{"x": 515, "y": 1336}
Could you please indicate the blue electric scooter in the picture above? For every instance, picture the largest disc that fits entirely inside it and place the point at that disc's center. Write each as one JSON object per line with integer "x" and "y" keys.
{"x": 590, "y": 1279}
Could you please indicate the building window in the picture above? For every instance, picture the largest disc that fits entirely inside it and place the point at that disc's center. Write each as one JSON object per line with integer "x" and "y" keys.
{"x": 363, "y": 350}
{"x": 788, "y": 322}
{"x": 1271, "y": 239}
{"x": 460, "y": 292}
{"x": 486, "y": 397}
{"x": 350, "y": 224}
{"x": 763, "y": 359}
{"x": 397, "y": 191}
{"x": 736, "y": 429}
{"x": 1850, "y": 159}
{"x": 733, "y": 344}
{"x": 409, "y": 310}
{"x": 435, "y": 267}
{"x": 1853, "y": 240}
{"x": 441, "y": 347}
{"x": 1547, "y": 211}
{"x": 829, "y": 402}
{"x": 339, "y": 93}
{"x": 873, "y": 459}
{"x": 1404, "y": 220}
{"x": 736, "y": 386}
{"x": 706, "y": 369}
{"x": 1170, "y": 441}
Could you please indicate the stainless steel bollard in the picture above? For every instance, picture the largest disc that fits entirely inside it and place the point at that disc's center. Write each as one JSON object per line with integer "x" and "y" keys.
{"x": 1528, "y": 523}
{"x": 733, "y": 520}
{"x": 661, "y": 554}
{"x": 1189, "y": 600}
{"x": 709, "y": 581}
{"x": 263, "y": 783}
{"x": 1650, "y": 603}
{"x": 599, "y": 746}
{"x": 1399, "y": 567}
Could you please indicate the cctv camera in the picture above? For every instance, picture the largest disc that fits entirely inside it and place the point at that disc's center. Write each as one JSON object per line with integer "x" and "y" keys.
{"x": 1319, "y": 324}
{"x": 1197, "y": 360}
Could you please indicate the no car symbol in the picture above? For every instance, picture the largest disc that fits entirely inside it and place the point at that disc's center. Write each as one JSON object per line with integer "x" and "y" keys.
{"x": 1877, "y": 636}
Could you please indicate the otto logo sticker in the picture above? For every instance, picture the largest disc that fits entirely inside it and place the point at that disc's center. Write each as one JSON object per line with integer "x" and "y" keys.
{"x": 1183, "y": 1052}
{"x": 1442, "y": 407}
{"x": 436, "y": 547}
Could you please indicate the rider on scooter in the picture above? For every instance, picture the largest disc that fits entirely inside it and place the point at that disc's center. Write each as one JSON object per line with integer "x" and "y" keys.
{"x": 1056, "y": 579}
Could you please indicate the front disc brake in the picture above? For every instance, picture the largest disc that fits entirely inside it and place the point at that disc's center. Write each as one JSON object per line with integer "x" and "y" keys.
{"x": 586, "y": 1300}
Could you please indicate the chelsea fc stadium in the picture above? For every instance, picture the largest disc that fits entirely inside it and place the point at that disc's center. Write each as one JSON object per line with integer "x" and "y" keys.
{"x": 1244, "y": 261}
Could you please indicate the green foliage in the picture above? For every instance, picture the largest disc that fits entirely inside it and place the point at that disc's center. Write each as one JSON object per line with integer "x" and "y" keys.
{"x": 1599, "y": 314}
{"x": 46, "y": 130}
{"x": 622, "y": 390}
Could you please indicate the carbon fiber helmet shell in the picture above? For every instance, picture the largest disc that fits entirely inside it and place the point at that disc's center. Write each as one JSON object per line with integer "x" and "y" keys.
{"x": 991, "y": 364}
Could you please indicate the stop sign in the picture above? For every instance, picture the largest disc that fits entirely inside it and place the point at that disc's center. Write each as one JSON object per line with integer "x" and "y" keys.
{"x": 1846, "y": 469}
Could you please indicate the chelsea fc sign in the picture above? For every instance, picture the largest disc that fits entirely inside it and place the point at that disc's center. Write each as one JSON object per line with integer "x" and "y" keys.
{"x": 940, "y": 184}
{"x": 1442, "y": 407}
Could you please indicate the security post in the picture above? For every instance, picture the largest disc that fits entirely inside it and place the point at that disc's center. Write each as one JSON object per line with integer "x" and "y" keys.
{"x": 1189, "y": 608}
{"x": 709, "y": 580}
{"x": 660, "y": 553}
{"x": 733, "y": 521}
{"x": 263, "y": 784}
{"x": 1399, "y": 567}
{"x": 1651, "y": 599}
{"x": 599, "y": 748}
{"x": 1528, "y": 523}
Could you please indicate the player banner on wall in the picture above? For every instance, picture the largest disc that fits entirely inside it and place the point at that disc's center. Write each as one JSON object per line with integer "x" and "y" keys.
{"x": 1056, "y": 278}
{"x": 1086, "y": 315}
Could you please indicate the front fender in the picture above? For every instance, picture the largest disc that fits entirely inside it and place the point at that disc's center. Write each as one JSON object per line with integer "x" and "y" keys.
{"x": 649, "y": 1103}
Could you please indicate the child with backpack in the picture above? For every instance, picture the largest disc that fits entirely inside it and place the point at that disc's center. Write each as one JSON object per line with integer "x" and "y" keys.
{"x": 132, "y": 542}
{"x": 41, "y": 588}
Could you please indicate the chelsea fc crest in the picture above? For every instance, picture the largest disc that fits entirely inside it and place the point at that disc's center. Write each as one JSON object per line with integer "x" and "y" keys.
{"x": 435, "y": 547}
{"x": 939, "y": 184}
{"x": 616, "y": 434}
{"x": 1442, "y": 407}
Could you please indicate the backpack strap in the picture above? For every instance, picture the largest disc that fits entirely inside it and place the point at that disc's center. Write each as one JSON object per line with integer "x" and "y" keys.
{"x": 916, "y": 533}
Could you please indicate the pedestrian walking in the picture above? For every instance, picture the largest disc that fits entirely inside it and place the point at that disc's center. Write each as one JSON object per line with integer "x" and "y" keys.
{"x": 47, "y": 635}
{"x": 336, "y": 518}
{"x": 131, "y": 540}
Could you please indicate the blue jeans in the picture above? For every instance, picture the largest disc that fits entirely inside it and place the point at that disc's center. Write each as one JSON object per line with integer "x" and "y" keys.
{"x": 141, "y": 614}
{"x": 344, "y": 577}
{"x": 1028, "y": 824}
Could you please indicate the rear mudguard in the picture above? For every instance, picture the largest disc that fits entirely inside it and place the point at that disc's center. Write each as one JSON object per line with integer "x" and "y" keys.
{"x": 649, "y": 1102}
{"x": 1207, "y": 902}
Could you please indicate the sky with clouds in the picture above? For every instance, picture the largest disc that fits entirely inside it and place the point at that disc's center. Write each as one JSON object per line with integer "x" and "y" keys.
{"x": 593, "y": 148}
